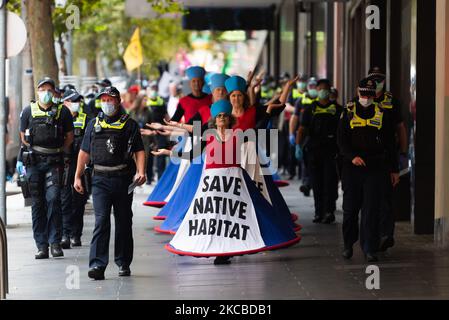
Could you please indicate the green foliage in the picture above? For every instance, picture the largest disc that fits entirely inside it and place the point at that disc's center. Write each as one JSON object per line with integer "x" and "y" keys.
{"x": 105, "y": 31}
{"x": 14, "y": 6}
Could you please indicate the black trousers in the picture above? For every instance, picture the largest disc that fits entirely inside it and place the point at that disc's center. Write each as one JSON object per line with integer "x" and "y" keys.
{"x": 45, "y": 188}
{"x": 387, "y": 219}
{"x": 108, "y": 193}
{"x": 73, "y": 207}
{"x": 324, "y": 181}
{"x": 362, "y": 193}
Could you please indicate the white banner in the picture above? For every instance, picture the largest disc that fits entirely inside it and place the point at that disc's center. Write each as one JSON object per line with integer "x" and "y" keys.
{"x": 221, "y": 218}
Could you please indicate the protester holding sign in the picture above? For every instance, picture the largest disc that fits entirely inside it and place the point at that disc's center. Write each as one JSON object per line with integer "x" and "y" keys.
{"x": 228, "y": 215}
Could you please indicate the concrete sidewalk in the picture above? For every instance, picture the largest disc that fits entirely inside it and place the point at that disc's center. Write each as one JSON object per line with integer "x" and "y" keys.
{"x": 313, "y": 269}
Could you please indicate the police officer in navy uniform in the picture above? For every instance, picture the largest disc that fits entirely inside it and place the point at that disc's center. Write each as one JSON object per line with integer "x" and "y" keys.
{"x": 158, "y": 110}
{"x": 392, "y": 106}
{"x": 319, "y": 124}
{"x": 367, "y": 143}
{"x": 73, "y": 203}
{"x": 301, "y": 105}
{"x": 113, "y": 144}
{"x": 94, "y": 106}
{"x": 46, "y": 131}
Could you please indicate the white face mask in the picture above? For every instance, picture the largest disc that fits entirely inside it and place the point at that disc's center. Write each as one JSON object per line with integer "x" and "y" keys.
{"x": 366, "y": 102}
{"x": 74, "y": 106}
{"x": 108, "y": 108}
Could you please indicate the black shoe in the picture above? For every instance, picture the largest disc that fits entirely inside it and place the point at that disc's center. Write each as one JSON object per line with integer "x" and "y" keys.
{"x": 42, "y": 254}
{"x": 291, "y": 177}
{"x": 222, "y": 260}
{"x": 317, "y": 219}
{"x": 347, "y": 253}
{"x": 96, "y": 273}
{"x": 56, "y": 250}
{"x": 328, "y": 218}
{"x": 65, "y": 242}
{"x": 124, "y": 271}
{"x": 385, "y": 243}
{"x": 371, "y": 257}
{"x": 76, "y": 242}
{"x": 305, "y": 190}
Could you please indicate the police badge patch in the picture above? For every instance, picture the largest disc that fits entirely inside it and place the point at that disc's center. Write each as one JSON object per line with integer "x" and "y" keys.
{"x": 110, "y": 146}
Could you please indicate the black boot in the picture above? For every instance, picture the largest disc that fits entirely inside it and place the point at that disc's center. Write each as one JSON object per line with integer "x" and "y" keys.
{"x": 56, "y": 250}
{"x": 96, "y": 273}
{"x": 75, "y": 241}
{"x": 65, "y": 242}
{"x": 124, "y": 271}
{"x": 371, "y": 257}
{"x": 305, "y": 190}
{"x": 317, "y": 219}
{"x": 222, "y": 260}
{"x": 328, "y": 218}
{"x": 385, "y": 243}
{"x": 42, "y": 253}
{"x": 347, "y": 253}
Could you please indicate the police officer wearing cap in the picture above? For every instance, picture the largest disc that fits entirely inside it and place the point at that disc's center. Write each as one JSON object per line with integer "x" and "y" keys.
{"x": 93, "y": 107}
{"x": 367, "y": 143}
{"x": 46, "y": 131}
{"x": 292, "y": 123}
{"x": 319, "y": 124}
{"x": 113, "y": 144}
{"x": 302, "y": 104}
{"x": 158, "y": 112}
{"x": 73, "y": 203}
{"x": 392, "y": 106}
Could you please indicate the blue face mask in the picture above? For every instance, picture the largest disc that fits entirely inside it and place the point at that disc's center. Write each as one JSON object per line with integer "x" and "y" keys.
{"x": 313, "y": 93}
{"x": 45, "y": 97}
{"x": 323, "y": 94}
{"x": 108, "y": 108}
{"x": 302, "y": 86}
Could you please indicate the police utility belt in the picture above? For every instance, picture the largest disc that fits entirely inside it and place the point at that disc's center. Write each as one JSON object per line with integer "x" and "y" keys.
{"x": 38, "y": 154}
{"x": 115, "y": 171}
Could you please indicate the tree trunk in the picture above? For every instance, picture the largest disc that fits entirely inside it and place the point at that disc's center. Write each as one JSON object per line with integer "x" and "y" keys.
{"x": 62, "y": 64}
{"x": 27, "y": 74}
{"x": 40, "y": 27}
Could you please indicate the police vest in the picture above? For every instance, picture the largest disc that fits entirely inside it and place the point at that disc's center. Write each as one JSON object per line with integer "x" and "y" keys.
{"x": 46, "y": 129}
{"x": 266, "y": 94}
{"x": 324, "y": 123}
{"x": 386, "y": 103}
{"x": 296, "y": 94}
{"x": 79, "y": 128}
{"x": 332, "y": 110}
{"x": 306, "y": 100}
{"x": 97, "y": 104}
{"x": 155, "y": 103}
{"x": 110, "y": 146}
{"x": 356, "y": 121}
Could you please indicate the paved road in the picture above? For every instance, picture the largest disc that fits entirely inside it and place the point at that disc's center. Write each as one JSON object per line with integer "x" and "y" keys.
{"x": 313, "y": 269}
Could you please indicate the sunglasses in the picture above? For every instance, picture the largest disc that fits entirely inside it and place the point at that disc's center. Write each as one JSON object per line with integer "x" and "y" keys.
{"x": 222, "y": 115}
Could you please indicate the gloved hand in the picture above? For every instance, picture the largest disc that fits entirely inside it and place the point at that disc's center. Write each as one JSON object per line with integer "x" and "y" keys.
{"x": 20, "y": 168}
{"x": 298, "y": 152}
{"x": 292, "y": 139}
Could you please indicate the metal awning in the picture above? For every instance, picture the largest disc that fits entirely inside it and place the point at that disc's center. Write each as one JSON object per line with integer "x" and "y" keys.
{"x": 142, "y": 9}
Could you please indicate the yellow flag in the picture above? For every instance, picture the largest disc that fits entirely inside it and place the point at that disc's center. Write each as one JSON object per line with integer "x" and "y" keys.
{"x": 133, "y": 55}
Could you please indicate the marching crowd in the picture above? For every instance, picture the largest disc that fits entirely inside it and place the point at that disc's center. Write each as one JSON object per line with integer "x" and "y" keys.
{"x": 218, "y": 202}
